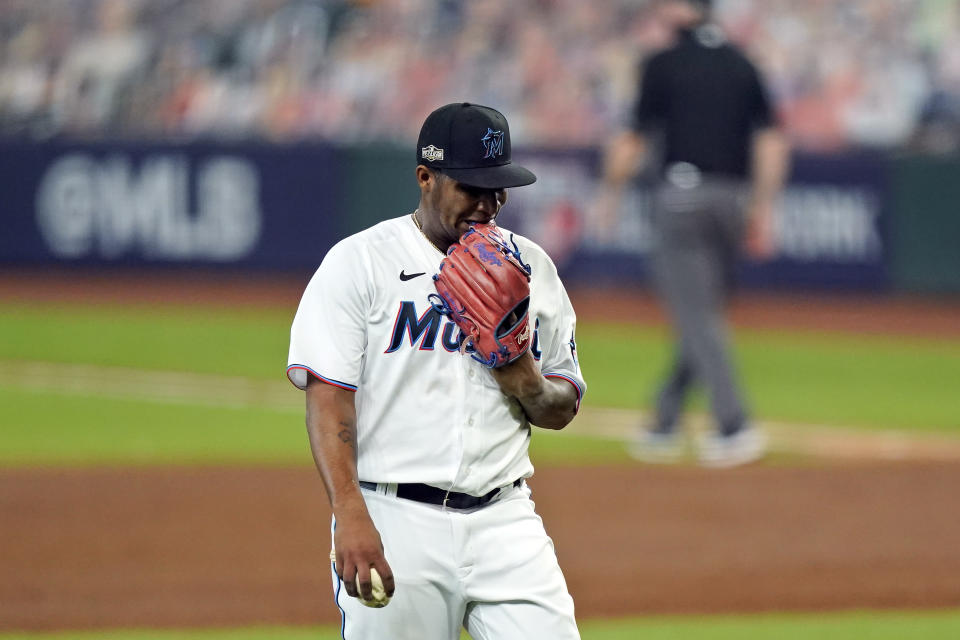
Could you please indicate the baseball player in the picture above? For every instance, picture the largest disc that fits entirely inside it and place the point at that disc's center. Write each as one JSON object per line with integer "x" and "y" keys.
{"x": 421, "y": 437}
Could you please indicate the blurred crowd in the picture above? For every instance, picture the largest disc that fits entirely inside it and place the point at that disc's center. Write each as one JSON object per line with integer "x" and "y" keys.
{"x": 844, "y": 73}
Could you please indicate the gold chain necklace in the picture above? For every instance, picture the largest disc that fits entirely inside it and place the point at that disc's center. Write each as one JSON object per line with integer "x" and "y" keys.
{"x": 416, "y": 221}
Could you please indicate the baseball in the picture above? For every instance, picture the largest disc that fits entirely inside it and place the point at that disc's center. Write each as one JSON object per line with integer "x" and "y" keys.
{"x": 380, "y": 597}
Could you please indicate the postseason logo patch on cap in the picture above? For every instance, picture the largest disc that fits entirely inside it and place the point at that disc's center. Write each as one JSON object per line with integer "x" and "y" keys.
{"x": 431, "y": 153}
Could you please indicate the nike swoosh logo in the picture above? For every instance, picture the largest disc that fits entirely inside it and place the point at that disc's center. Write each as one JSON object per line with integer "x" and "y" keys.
{"x": 404, "y": 277}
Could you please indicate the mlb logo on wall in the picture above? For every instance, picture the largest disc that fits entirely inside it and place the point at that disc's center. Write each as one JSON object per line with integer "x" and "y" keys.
{"x": 431, "y": 153}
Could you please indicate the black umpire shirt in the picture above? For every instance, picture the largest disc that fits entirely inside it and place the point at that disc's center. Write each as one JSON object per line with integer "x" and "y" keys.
{"x": 707, "y": 99}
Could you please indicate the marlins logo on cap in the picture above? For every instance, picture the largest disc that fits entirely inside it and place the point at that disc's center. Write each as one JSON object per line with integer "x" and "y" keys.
{"x": 493, "y": 143}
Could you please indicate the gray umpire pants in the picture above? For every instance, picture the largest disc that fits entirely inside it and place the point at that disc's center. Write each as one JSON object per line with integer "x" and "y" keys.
{"x": 697, "y": 235}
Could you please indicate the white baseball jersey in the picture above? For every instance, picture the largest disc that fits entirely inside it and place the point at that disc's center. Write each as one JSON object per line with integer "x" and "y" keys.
{"x": 425, "y": 412}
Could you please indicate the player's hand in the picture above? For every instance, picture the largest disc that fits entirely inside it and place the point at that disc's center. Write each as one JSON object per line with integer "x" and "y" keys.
{"x": 547, "y": 403}
{"x": 357, "y": 547}
{"x": 759, "y": 241}
{"x": 520, "y": 379}
{"x": 603, "y": 214}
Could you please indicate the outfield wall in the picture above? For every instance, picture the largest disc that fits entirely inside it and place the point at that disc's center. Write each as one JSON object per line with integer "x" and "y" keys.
{"x": 856, "y": 222}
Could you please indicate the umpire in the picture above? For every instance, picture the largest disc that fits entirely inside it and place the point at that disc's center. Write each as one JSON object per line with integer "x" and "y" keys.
{"x": 702, "y": 104}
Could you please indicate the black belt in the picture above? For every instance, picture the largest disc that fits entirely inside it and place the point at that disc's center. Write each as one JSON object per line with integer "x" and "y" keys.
{"x": 434, "y": 495}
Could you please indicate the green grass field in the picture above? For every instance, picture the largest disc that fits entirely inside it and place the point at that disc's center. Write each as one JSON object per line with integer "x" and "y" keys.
{"x": 97, "y": 397}
{"x": 84, "y": 385}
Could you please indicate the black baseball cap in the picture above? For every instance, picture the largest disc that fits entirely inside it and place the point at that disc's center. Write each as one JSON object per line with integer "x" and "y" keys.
{"x": 471, "y": 144}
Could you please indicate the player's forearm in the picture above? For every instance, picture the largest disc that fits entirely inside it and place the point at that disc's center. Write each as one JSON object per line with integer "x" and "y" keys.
{"x": 547, "y": 402}
{"x": 622, "y": 159}
{"x": 334, "y": 459}
{"x": 332, "y": 429}
{"x": 553, "y": 406}
{"x": 771, "y": 162}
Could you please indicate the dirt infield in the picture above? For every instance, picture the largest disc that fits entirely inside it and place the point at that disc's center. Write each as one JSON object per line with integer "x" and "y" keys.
{"x": 232, "y": 547}
{"x": 188, "y": 547}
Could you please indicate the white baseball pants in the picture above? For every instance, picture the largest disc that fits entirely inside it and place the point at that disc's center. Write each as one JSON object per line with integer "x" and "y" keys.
{"x": 492, "y": 570}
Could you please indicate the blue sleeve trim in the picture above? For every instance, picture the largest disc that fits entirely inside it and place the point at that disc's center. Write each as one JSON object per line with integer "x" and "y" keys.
{"x": 331, "y": 381}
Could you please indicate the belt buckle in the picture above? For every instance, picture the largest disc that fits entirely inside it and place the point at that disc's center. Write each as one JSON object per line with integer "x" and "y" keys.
{"x": 446, "y": 497}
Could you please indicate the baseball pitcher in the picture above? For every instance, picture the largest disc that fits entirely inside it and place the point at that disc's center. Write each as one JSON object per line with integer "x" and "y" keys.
{"x": 429, "y": 345}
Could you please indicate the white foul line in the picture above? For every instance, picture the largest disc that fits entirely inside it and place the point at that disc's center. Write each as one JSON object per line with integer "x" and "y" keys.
{"x": 237, "y": 392}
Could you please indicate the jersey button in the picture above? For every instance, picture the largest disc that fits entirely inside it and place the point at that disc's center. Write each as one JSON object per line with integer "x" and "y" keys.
{"x": 470, "y": 422}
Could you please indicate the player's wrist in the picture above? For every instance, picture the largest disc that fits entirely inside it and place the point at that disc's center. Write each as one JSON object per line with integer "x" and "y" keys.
{"x": 348, "y": 504}
{"x": 520, "y": 379}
